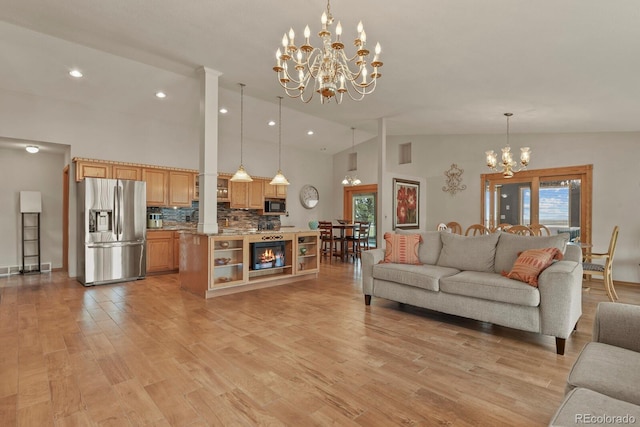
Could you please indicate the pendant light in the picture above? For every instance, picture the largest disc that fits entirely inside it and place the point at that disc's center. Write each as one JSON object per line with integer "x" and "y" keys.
{"x": 241, "y": 175}
{"x": 279, "y": 179}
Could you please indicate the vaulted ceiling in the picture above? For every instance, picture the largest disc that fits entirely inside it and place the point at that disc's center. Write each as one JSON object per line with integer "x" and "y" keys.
{"x": 451, "y": 67}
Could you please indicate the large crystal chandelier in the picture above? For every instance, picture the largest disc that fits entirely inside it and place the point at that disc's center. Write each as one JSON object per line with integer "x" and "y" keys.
{"x": 508, "y": 166}
{"x": 326, "y": 69}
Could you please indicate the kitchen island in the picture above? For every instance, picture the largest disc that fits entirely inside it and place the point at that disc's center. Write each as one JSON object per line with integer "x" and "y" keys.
{"x": 229, "y": 262}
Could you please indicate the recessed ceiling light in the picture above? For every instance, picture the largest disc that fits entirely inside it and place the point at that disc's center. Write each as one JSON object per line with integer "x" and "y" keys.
{"x": 223, "y": 110}
{"x": 32, "y": 149}
{"x": 75, "y": 73}
{"x": 161, "y": 95}
{"x": 272, "y": 123}
{"x": 310, "y": 132}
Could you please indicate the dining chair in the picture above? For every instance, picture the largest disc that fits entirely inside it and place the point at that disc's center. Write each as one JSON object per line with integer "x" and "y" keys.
{"x": 502, "y": 227}
{"x": 326, "y": 239}
{"x": 442, "y": 226}
{"x": 360, "y": 239}
{"x": 455, "y": 227}
{"x": 476, "y": 229}
{"x": 539, "y": 230}
{"x": 605, "y": 270}
{"x": 521, "y": 230}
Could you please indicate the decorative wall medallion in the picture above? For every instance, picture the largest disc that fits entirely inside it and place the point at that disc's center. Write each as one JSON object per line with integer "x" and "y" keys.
{"x": 453, "y": 180}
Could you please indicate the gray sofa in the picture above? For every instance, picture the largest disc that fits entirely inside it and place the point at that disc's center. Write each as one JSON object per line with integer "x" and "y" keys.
{"x": 461, "y": 276}
{"x": 602, "y": 387}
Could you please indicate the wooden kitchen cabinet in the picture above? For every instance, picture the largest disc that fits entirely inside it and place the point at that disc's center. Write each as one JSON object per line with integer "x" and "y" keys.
{"x": 247, "y": 195}
{"x": 127, "y": 172}
{"x": 160, "y": 247}
{"x": 157, "y": 186}
{"x": 274, "y": 191}
{"x": 87, "y": 169}
{"x": 180, "y": 188}
{"x": 196, "y": 186}
{"x": 176, "y": 250}
{"x": 222, "y": 190}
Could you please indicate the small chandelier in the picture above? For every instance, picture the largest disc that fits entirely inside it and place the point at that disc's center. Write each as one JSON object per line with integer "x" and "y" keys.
{"x": 348, "y": 179}
{"x": 327, "y": 69}
{"x": 241, "y": 175}
{"x": 279, "y": 179}
{"x": 508, "y": 166}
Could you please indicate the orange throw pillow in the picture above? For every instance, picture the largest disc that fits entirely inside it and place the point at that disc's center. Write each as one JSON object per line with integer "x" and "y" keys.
{"x": 402, "y": 248}
{"x": 530, "y": 264}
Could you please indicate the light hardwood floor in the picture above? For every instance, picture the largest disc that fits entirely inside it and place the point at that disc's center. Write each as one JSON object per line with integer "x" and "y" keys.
{"x": 310, "y": 353}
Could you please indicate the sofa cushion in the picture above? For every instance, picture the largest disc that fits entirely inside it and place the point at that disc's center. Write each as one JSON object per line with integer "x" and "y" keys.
{"x": 510, "y": 245}
{"x": 468, "y": 253}
{"x": 530, "y": 264}
{"x": 587, "y": 407}
{"x": 490, "y": 286}
{"x": 608, "y": 370}
{"x": 419, "y": 276}
{"x": 401, "y": 249}
{"x": 430, "y": 247}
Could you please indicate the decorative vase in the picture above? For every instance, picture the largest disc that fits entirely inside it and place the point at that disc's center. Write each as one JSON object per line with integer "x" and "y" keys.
{"x": 313, "y": 224}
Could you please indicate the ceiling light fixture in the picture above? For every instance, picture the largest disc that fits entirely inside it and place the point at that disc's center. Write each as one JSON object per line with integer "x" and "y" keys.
{"x": 507, "y": 165}
{"x": 348, "y": 179}
{"x": 75, "y": 73}
{"x": 32, "y": 149}
{"x": 223, "y": 110}
{"x": 326, "y": 70}
{"x": 241, "y": 175}
{"x": 279, "y": 179}
{"x": 161, "y": 95}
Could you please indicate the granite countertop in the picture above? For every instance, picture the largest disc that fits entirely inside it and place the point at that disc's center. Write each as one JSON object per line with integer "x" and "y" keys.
{"x": 244, "y": 232}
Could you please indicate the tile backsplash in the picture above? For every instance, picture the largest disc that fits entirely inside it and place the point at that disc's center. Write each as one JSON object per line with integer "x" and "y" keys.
{"x": 232, "y": 218}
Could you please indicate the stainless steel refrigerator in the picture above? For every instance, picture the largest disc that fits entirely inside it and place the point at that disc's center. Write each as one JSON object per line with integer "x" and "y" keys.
{"x": 111, "y": 230}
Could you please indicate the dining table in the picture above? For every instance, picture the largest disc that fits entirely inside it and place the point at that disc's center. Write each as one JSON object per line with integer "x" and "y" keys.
{"x": 341, "y": 238}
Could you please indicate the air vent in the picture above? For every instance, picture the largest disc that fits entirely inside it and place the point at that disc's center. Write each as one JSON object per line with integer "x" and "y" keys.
{"x": 404, "y": 155}
{"x": 353, "y": 162}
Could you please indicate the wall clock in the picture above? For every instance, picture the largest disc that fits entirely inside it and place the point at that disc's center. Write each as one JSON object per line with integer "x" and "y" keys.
{"x": 309, "y": 196}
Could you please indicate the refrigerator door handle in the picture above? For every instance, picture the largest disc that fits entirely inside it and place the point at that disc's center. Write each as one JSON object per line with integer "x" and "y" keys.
{"x": 119, "y": 202}
{"x": 116, "y": 244}
{"x": 114, "y": 220}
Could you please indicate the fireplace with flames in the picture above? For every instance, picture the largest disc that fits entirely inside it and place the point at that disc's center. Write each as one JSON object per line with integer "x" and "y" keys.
{"x": 267, "y": 255}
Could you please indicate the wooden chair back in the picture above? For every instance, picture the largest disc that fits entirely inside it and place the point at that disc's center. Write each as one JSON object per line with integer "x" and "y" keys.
{"x": 502, "y": 227}
{"x": 539, "y": 230}
{"x": 521, "y": 230}
{"x": 476, "y": 229}
{"x": 606, "y": 271}
{"x": 454, "y": 227}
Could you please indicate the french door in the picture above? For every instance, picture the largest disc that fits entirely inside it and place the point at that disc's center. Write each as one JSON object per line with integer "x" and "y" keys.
{"x": 360, "y": 204}
{"x": 559, "y": 198}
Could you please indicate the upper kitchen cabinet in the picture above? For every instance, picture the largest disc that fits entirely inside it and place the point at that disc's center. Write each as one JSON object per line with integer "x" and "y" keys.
{"x": 274, "y": 191}
{"x": 89, "y": 169}
{"x": 157, "y": 186}
{"x": 246, "y": 195}
{"x": 127, "y": 172}
{"x": 196, "y": 186}
{"x": 180, "y": 188}
{"x": 222, "y": 190}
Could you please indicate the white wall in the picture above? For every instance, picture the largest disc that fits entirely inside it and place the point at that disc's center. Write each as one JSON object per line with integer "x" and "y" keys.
{"x": 110, "y": 135}
{"x": 616, "y": 182}
{"x": 21, "y": 171}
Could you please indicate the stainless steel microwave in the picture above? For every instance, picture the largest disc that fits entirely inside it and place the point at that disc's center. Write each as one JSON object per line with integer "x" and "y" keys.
{"x": 275, "y": 206}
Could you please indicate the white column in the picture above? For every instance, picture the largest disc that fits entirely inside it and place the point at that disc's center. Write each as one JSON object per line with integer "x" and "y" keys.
{"x": 385, "y": 202}
{"x": 208, "y": 124}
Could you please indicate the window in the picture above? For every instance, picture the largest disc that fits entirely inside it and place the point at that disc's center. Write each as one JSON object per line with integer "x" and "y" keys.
{"x": 559, "y": 198}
